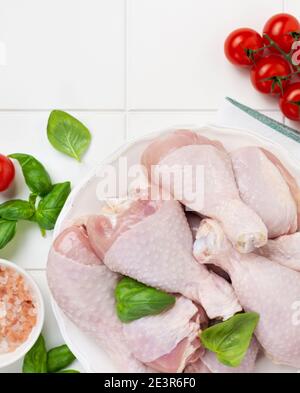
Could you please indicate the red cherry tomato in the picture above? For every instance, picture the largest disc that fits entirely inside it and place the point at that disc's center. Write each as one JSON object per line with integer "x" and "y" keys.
{"x": 7, "y": 172}
{"x": 238, "y": 46}
{"x": 279, "y": 28}
{"x": 265, "y": 75}
{"x": 290, "y": 102}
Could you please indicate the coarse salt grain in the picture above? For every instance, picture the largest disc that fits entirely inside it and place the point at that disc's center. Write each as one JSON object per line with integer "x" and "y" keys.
{"x": 17, "y": 310}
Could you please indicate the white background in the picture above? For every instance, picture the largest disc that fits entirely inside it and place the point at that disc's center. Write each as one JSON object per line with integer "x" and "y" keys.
{"x": 124, "y": 68}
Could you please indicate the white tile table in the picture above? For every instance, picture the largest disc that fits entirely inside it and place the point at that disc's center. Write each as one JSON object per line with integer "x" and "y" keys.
{"x": 123, "y": 67}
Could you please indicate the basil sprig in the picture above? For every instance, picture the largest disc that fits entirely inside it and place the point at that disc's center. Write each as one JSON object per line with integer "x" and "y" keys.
{"x": 59, "y": 358}
{"x": 7, "y": 231}
{"x": 17, "y": 210}
{"x": 49, "y": 199}
{"x": 38, "y": 360}
{"x": 67, "y": 134}
{"x": 35, "y": 360}
{"x": 36, "y": 176}
{"x": 50, "y": 206}
{"x": 135, "y": 300}
{"x": 230, "y": 340}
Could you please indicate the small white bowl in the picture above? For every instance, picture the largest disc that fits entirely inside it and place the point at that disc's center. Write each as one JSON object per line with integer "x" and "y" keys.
{"x": 8, "y": 358}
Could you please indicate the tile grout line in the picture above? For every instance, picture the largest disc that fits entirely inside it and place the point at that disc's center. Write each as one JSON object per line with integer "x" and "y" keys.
{"x": 190, "y": 110}
{"x": 128, "y": 111}
{"x": 41, "y": 110}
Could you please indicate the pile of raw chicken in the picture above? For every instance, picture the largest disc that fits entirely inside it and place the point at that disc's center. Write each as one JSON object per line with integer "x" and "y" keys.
{"x": 238, "y": 250}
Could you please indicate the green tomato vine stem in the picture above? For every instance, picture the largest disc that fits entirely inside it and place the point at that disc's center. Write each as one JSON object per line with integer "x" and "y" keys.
{"x": 282, "y": 52}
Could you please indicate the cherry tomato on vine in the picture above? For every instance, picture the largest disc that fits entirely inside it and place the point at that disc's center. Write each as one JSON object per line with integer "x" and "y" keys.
{"x": 290, "y": 102}
{"x": 7, "y": 172}
{"x": 283, "y": 29}
{"x": 270, "y": 74}
{"x": 240, "y": 44}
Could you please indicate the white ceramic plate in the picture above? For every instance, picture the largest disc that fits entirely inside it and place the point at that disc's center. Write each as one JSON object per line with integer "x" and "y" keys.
{"x": 83, "y": 201}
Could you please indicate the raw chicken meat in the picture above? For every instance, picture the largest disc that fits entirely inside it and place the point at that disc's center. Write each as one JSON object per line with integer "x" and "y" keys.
{"x": 208, "y": 363}
{"x": 169, "y": 341}
{"x": 194, "y": 222}
{"x": 264, "y": 189}
{"x": 262, "y": 286}
{"x": 288, "y": 177}
{"x": 84, "y": 289}
{"x": 197, "y": 367}
{"x": 284, "y": 250}
{"x": 211, "y": 192}
{"x": 151, "y": 242}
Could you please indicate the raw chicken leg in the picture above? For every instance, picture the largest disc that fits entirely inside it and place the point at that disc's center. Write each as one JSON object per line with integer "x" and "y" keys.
{"x": 84, "y": 289}
{"x": 151, "y": 242}
{"x": 169, "y": 341}
{"x": 288, "y": 177}
{"x": 209, "y": 362}
{"x": 211, "y": 192}
{"x": 284, "y": 250}
{"x": 264, "y": 189}
{"x": 194, "y": 223}
{"x": 263, "y": 286}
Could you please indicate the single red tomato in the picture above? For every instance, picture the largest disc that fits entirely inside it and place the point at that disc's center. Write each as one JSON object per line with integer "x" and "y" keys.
{"x": 281, "y": 28}
{"x": 290, "y": 102}
{"x": 7, "y": 172}
{"x": 268, "y": 74}
{"x": 239, "y": 45}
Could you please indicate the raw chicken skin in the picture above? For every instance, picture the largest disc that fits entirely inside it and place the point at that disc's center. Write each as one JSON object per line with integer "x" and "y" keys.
{"x": 264, "y": 189}
{"x": 84, "y": 289}
{"x": 157, "y": 251}
{"x": 212, "y": 192}
{"x": 247, "y": 366}
{"x": 167, "y": 341}
{"x": 197, "y": 368}
{"x": 284, "y": 250}
{"x": 288, "y": 177}
{"x": 262, "y": 286}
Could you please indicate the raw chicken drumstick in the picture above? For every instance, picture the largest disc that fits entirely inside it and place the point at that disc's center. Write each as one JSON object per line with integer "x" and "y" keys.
{"x": 183, "y": 153}
{"x": 84, "y": 289}
{"x": 284, "y": 250}
{"x": 150, "y": 241}
{"x": 265, "y": 190}
{"x": 263, "y": 286}
{"x": 169, "y": 341}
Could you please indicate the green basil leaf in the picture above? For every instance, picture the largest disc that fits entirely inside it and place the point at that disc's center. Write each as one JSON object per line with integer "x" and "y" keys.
{"x": 230, "y": 340}
{"x": 135, "y": 300}
{"x": 32, "y": 199}
{"x": 16, "y": 210}
{"x": 35, "y": 360}
{"x": 7, "y": 231}
{"x": 59, "y": 358}
{"x": 69, "y": 372}
{"x": 50, "y": 206}
{"x": 67, "y": 134}
{"x": 36, "y": 176}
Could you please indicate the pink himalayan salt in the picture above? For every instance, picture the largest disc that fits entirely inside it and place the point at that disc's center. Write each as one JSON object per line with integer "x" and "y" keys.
{"x": 17, "y": 310}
